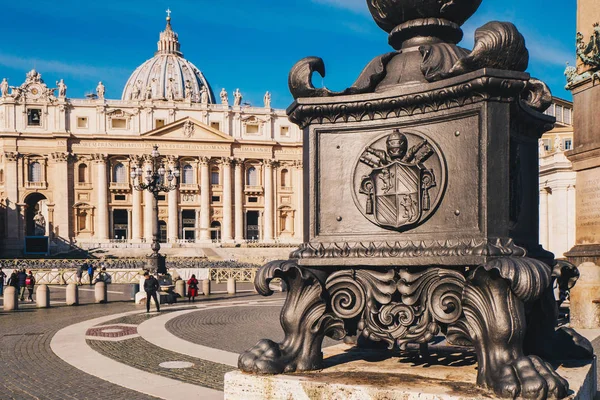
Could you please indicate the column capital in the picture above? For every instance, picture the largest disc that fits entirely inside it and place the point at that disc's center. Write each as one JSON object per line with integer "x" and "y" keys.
{"x": 172, "y": 160}
{"x": 203, "y": 160}
{"x": 227, "y": 161}
{"x": 270, "y": 163}
{"x": 238, "y": 161}
{"x": 136, "y": 159}
{"x": 100, "y": 158}
{"x": 62, "y": 157}
{"x": 12, "y": 155}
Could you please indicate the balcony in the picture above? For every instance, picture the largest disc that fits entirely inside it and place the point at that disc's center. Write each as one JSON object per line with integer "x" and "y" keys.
{"x": 36, "y": 185}
{"x": 119, "y": 187}
{"x": 83, "y": 185}
{"x": 253, "y": 190}
{"x": 188, "y": 187}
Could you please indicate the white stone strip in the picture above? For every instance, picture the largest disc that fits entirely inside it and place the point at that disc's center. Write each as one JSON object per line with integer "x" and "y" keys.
{"x": 154, "y": 331}
{"x": 83, "y": 289}
{"x": 112, "y": 339}
{"x": 69, "y": 344}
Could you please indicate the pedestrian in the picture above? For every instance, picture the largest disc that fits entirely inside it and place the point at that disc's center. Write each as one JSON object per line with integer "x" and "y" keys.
{"x": 2, "y": 277}
{"x": 79, "y": 272}
{"x": 30, "y": 284}
{"x": 90, "y": 271}
{"x": 151, "y": 287}
{"x": 22, "y": 276}
{"x": 192, "y": 288}
{"x": 104, "y": 276}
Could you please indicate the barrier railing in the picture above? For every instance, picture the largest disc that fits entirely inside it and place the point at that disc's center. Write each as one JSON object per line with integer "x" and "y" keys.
{"x": 239, "y": 274}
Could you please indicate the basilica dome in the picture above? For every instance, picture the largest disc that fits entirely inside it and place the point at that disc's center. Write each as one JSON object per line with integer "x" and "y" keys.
{"x": 167, "y": 75}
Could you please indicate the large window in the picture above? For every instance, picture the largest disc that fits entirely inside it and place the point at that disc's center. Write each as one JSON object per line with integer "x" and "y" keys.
{"x": 214, "y": 176}
{"x": 35, "y": 172}
{"x": 34, "y": 117}
{"x": 568, "y": 144}
{"x": 252, "y": 177}
{"x": 285, "y": 178}
{"x": 119, "y": 173}
{"x": 82, "y": 173}
{"x": 188, "y": 174}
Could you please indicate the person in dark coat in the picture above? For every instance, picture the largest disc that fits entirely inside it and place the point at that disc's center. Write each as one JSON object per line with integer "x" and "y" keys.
{"x": 22, "y": 277}
{"x": 14, "y": 280}
{"x": 192, "y": 288}
{"x": 151, "y": 287}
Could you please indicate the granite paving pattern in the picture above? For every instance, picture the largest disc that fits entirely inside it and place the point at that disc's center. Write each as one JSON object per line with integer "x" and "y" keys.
{"x": 143, "y": 355}
{"x": 30, "y": 370}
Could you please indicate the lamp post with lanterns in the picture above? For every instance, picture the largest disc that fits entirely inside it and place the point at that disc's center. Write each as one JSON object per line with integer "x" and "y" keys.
{"x": 155, "y": 179}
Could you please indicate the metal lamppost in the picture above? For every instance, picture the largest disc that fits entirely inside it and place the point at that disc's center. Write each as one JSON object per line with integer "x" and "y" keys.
{"x": 155, "y": 179}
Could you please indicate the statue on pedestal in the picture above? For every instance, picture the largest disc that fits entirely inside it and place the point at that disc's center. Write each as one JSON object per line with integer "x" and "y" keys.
{"x": 188, "y": 90}
{"x": 237, "y": 98}
{"x": 204, "y": 95}
{"x": 224, "y": 97}
{"x": 100, "y": 89}
{"x": 422, "y": 247}
{"x": 4, "y": 88}
{"x": 62, "y": 89}
{"x": 40, "y": 224}
{"x": 267, "y": 100}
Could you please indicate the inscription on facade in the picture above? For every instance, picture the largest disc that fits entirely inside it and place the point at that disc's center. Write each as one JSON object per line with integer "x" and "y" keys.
{"x": 588, "y": 207}
{"x": 134, "y": 145}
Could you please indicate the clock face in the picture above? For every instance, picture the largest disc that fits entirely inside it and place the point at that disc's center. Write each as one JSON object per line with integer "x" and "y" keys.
{"x": 35, "y": 91}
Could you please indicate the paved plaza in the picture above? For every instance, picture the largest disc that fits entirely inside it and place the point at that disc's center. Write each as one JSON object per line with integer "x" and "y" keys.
{"x": 118, "y": 351}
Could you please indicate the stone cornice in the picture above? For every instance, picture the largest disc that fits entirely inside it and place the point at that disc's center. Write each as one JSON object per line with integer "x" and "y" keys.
{"x": 479, "y": 86}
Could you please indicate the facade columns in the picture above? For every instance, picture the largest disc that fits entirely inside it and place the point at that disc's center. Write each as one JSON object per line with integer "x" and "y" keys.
{"x": 204, "y": 199}
{"x": 173, "y": 227}
{"x": 62, "y": 223}
{"x": 149, "y": 219}
{"x": 227, "y": 203}
{"x": 11, "y": 183}
{"x": 571, "y": 207}
{"x": 136, "y": 208}
{"x": 239, "y": 200}
{"x": 101, "y": 226}
{"x": 268, "y": 211}
{"x": 560, "y": 223}
{"x": 544, "y": 218}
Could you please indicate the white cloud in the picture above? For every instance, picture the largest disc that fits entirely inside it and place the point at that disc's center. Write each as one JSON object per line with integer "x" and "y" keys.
{"x": 59, "y": 67}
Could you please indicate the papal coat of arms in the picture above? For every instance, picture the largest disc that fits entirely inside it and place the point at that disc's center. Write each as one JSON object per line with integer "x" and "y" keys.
{"x": 400, "y": 179}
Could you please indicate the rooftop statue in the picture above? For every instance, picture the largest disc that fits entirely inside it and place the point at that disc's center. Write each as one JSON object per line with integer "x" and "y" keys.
{"x": 421, "y": 181}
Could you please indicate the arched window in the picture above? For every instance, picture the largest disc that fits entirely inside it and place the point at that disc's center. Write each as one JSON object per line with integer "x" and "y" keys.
{"x": 188, "y": 174}
{"x": 35, "y": 172}
{"x": 285, "y": 178}
{"x": 251, "y": 177}
{"x": 119, "y": 173}
{"x": 214, "y": 176}
{"x": 82, "y": 173}
{"x": 82, "y": 220}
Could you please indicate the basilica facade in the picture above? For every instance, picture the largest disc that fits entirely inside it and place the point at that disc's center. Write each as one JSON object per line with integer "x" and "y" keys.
{"x": 65, "y": 163}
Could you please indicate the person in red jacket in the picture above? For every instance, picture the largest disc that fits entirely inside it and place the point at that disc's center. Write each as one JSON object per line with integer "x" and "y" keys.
{"x": 192, "y": 288}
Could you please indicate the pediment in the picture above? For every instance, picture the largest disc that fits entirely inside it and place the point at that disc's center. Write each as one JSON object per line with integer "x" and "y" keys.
{"x": 189, "y": 129}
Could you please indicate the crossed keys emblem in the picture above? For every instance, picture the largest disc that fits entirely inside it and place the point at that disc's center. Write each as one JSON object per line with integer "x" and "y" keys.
{"x": 397, "y": 189}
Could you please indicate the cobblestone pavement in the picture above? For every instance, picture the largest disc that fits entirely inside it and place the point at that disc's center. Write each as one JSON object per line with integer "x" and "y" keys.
{"x": 30, "y": 370}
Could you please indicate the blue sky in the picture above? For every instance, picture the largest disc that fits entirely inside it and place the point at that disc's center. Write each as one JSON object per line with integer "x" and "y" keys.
{"x": 249, "y": 45}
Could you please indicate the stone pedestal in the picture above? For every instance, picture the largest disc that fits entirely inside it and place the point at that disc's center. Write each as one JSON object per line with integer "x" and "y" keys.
{"x": 11, "y": 301}
{"x": 180, "y": 288}
{"x": 585, "y": 298}
{"x": 206, "y": 287}
{"x": 360, "y": 375}
{"x": 231, "y": 286}
{"x": 42, "y": 296}
{"x": 100, "y": 292}
{"x": 72, "y": 294}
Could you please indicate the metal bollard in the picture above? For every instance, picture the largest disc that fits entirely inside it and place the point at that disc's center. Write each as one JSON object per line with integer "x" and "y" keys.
{"x": 72, "y": 294}
{"x": 231, "y": 287}
{"x": 100, "y": 291}
{"x": 42, "y": 296}
{"x": 11, "y": 302}
{"x": 180, "y": 287}
{"x": 206, "y": 287}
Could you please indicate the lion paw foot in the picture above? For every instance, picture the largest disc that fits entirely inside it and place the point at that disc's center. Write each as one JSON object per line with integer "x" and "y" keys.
{"x": 528, "y": 378}
{"x": 264, "y": 358}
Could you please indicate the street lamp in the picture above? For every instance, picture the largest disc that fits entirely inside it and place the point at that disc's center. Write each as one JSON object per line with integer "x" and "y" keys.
{"x": 153, "y": 180}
